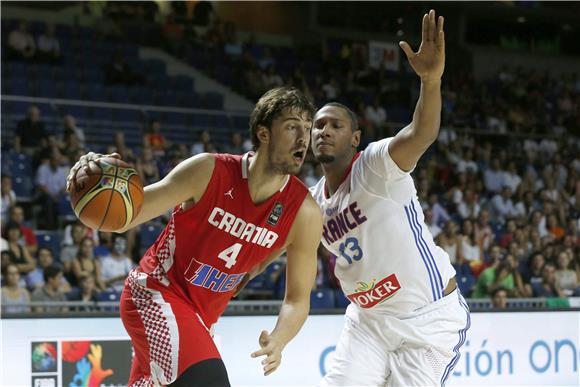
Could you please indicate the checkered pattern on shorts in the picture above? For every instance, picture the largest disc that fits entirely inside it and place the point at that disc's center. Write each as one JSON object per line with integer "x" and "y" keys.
{"x": 165, "y": 256}
{"x": 156, "y": 329}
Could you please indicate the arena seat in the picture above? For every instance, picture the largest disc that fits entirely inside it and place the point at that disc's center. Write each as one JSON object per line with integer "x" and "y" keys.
{"x": 322, "y": 299}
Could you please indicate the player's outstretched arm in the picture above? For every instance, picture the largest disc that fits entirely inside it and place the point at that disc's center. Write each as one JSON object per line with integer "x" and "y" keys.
{"x": 429, "y": 62}
{"x": 187, "y": 181}
{"x": 300, "y": 275}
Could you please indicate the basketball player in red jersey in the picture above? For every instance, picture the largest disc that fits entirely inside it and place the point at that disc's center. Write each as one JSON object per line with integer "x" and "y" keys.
{"x": 230, "y": 214}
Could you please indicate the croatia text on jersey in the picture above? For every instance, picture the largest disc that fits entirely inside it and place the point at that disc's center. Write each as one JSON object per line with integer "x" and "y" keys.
{"x": 207, "y": 276}
{"x": 346, "y": 220}
{"x": 369, "y": 295}
{"x": 241, "y": 229}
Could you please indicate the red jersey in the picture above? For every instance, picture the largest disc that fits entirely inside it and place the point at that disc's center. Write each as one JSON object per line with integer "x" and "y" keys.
{"x": 205, "y": 251}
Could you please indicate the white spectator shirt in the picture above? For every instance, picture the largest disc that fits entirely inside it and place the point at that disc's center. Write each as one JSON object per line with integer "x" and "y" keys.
{"x": 48, "y": 44}
{"x": 493, "y": 180}
{"x": 512, "y": 180}
{"x": 387, "y": 262}
{"x": 54, "y": 180}
{"x": 377, "y": 116}
{"x": 113, "y": 267}
{"x": 501, "y": 208}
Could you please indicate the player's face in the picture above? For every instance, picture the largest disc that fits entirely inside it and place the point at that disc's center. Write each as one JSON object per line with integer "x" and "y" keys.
{"x": 332, "y": 135}
{"x": 288, "y": 142}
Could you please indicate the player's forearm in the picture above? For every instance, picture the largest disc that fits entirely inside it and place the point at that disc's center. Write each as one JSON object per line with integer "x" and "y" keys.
{"x": 427, "y": 115}
{"x": 290, "y": 320}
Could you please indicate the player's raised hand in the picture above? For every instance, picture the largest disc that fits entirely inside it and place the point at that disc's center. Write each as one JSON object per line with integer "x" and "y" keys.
{"x": 429, "y": 61}
{"x": 273, "y": 351}
{"x": 84, "y": 162}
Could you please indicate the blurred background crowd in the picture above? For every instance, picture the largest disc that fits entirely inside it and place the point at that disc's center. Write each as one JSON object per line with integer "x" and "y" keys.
{"x": 500, "y": 189}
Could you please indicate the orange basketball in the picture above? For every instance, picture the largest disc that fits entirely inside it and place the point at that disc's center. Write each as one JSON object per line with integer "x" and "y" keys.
{"x": 108, "y": 197}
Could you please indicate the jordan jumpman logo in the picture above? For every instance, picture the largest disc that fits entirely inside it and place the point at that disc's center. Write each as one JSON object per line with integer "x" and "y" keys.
{"x": 229, "y": 193}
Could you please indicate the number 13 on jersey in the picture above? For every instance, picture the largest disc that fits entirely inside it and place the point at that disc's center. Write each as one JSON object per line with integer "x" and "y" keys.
{"x": 350, "y": 250}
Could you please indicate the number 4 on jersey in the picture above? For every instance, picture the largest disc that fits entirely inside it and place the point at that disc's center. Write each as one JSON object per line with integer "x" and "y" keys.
{"x": 230, "y": 254}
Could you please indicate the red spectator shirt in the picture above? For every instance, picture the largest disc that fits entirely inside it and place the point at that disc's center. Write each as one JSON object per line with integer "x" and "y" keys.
{"x": 204, "y": 251}
{"x": 29, "y": 237}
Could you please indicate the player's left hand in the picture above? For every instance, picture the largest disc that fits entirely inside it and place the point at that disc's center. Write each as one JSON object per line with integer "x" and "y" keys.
{"x": 273, "y": 351}
{"x": 429, "y": 61}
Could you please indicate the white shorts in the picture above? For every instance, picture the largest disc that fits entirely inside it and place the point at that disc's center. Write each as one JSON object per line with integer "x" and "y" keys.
{"x": 416, "y": 350}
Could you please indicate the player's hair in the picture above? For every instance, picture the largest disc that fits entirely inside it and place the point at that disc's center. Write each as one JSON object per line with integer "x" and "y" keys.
{"x": 351, "y": 115}
{"x": 272, "y": 103}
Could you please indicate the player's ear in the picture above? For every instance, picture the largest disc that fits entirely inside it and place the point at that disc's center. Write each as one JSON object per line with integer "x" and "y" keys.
{"x": 263, "y": 134}
{"x": 355, "y": 139}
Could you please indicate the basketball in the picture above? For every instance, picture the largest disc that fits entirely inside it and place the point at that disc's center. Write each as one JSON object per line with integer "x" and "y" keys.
{"x": 107, "y": 197}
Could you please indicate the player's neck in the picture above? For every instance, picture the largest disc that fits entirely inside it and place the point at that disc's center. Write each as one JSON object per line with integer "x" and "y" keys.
{"x": 262, "y": 183}
{"x": 334, "y": 172}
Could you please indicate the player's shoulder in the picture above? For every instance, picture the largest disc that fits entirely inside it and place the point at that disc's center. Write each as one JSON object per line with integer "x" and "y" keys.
{"x": 317, "y": 189}
{"x": 309, "y": 211}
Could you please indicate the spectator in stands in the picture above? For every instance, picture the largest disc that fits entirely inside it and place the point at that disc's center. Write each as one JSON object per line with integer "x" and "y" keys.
{"x": 440, "y": 214}
{"x": 121, "y": 148}
{"x": 376, "y": 115}
{"x": 51, "y": 184}
{"x": 468, "y": 207}
{"x": 566, "y": 279}
{"x": 18, "y": 254}
{"x": 86, "y": 264}
{"x": 28, "y": 240}
{"x": 48, "y": 46}
{"x": 8, "y": 198}
{"x": 508, "y": 235}
{"x": 118, "y": 72}
{"x": 232, "y": 46}
{"x": 235, "y": 146}
{"x": 449, "y": 241}
{"x": 502, "y": 206}
{"x": 434, "y": 229}
{"x": 69, "y": 251}
{"x": 173, "y": 34}
{"x": 51, "y": 291}
{"x": 470, "y": 250}
{"x": 30, "y": 133}
{"x": 499, "y": 298}
{"x": 116, "y": 267}
{"x": 554, "y": 227}
{"x": 494, "y": 177}
{"x": 13, "y": 294}
{"x": 35, "y": 279}
{"x": 501, "y": 273}
{"x": 87, "y": 293}
{"x": 533, "y": 275}
{"x": 155, "y": 139}
{"x": 484, "y": 230}
{"x": 21, "y": 43}
{"x": 147, "y": 167}
{"x": 548, "y": 286}
{"x": 511, "y": 177}
{"x": 71, "y": 128}
{"x": 201, "y": 144}
{"x": 271, "y": 79}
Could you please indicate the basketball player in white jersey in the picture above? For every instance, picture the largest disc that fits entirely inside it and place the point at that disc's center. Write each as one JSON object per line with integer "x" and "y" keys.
{"x": 407, "y": 320}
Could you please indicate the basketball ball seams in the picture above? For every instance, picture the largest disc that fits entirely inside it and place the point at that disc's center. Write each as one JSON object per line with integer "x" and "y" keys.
{"x": 103, "y": 210}
{"x": 110, "y": 199}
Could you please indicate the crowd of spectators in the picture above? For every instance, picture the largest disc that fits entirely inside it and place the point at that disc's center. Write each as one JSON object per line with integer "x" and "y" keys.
{"x": 500, "y": 189}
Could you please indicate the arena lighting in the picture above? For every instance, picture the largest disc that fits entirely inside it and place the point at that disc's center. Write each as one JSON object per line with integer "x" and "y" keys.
{"x": 567, "y": 27}
{"x": 400, "y": 33}
{"x": 521, "y": 19}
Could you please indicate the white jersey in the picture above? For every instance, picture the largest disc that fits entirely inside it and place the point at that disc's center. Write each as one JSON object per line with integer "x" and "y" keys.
{"x": 386, "y": 261}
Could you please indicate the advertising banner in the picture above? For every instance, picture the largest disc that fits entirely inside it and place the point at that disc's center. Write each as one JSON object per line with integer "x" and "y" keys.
{"x": 501, "y": 349}
{"x": 382, "y": 54}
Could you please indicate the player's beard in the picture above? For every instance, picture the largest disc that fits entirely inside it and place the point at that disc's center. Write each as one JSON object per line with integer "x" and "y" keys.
{"x": 281, "y": 166}
{"x": 325, "y": 159}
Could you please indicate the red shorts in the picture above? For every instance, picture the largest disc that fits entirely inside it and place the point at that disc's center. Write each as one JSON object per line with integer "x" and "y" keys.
{"x": 167, "y": 334}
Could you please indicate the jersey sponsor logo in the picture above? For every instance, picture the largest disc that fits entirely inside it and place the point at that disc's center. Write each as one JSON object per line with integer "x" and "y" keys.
{"x": 348, "y": 219}
{"x": 275, "y": 214}
{"x": 241, "y": 229}
{"x": 207, "y": 276}
{"x": 369, "y": 295}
